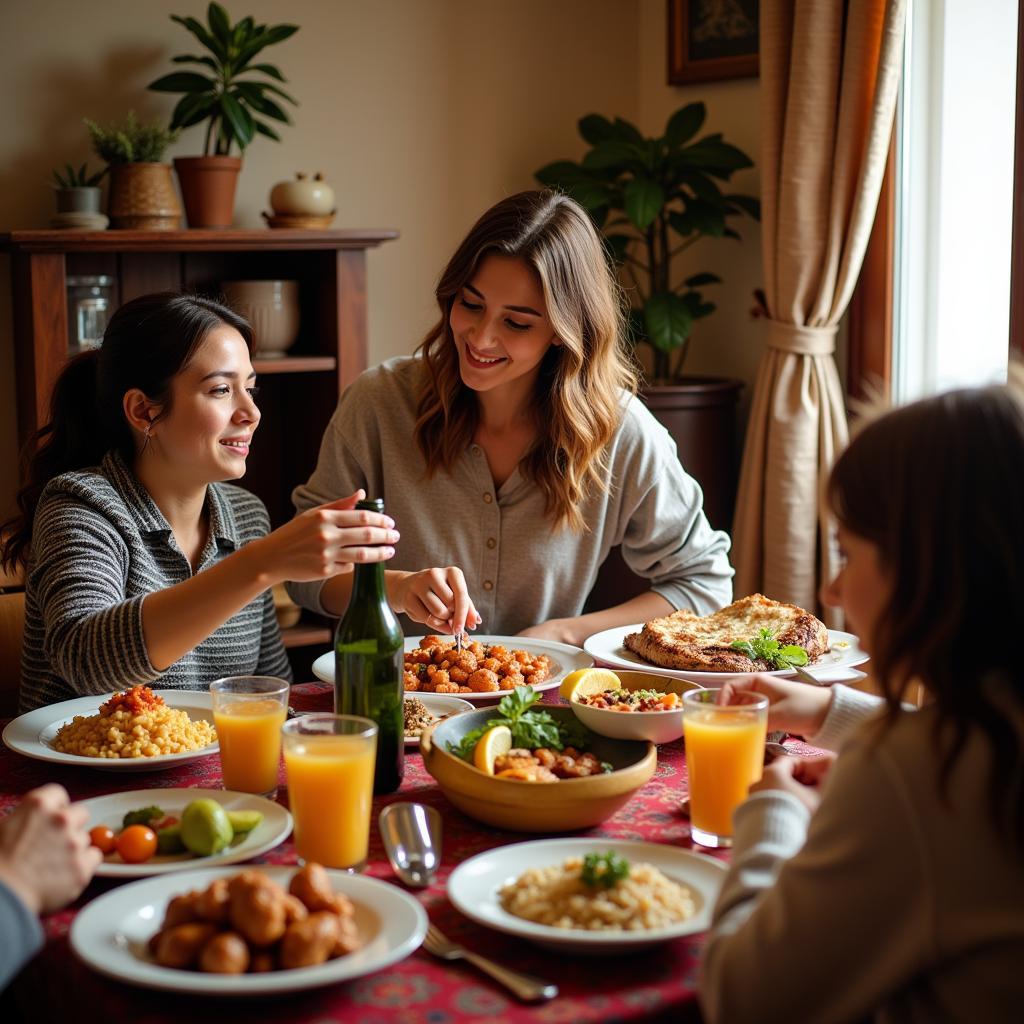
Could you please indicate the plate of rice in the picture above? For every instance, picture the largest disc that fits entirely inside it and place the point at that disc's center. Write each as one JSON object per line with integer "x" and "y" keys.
{"x": 138, "y": 730}
{"x": 589, "y": 895}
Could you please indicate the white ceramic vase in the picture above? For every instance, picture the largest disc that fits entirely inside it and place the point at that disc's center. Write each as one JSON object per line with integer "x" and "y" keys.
{"x": 272, "y": 309}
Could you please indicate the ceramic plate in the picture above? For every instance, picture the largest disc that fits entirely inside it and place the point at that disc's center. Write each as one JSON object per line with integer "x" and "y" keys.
{"x": 474, "y": 885}
{"x": 273, "y": 830}
{"x": 608, "y": 648}
{"x": 564, "y": 659}
{"x": 32, "y": 734}
{"x": 440, "y": 705}
{"x": 110, "y": 935}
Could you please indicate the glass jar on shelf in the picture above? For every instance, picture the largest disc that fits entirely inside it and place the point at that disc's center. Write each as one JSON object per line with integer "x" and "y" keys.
{"x": 90, "y": 303}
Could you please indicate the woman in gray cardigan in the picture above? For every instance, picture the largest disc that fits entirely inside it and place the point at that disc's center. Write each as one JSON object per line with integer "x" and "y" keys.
{"x": 142, "y": 563}
{"x": 513, "y": 452}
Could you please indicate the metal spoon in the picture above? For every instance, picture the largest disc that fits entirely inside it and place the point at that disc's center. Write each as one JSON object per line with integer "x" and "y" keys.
{"x": 411, "y": 834}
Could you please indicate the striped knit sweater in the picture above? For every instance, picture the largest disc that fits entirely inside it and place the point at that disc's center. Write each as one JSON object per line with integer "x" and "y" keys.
{"x": 99, "y": 546}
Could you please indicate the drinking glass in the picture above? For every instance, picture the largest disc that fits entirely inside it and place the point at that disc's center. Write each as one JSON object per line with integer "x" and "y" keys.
{"x": 724, "y": 757}
{"x": 248, "y": 712}
{"x": 329, "y": 762}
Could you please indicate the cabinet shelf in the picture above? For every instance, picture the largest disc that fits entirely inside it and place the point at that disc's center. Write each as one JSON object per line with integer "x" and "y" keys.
{"x": 306, "y": 634}
{"x": 295, "y": 364}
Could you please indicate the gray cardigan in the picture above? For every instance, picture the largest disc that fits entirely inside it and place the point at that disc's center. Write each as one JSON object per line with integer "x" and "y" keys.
{"x": 99, "y": 546}
{"x": 520, "y": 569}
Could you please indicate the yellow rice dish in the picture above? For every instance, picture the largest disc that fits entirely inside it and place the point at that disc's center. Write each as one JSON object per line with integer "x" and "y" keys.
{"x": 558, "y": 897}
{"x": 136, "y": 723}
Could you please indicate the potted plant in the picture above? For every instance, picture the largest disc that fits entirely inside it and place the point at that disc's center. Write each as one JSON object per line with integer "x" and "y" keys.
{"x": 236, "y": 98}
{"x": 654, "y": 198}
{"x": 142, "y": 196}
{"x": 77, "y": 190}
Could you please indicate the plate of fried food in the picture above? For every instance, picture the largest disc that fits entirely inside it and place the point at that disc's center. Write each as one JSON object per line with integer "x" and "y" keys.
{"x": 591, "y": 896}
{"x": 249, "y": 933}
{"x": 752, "y": 635}
{"x": 136, "y": 730}
{"x": 485, "y": 670}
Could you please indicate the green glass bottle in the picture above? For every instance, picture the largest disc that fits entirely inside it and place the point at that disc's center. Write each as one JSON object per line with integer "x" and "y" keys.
{"x": 368, "y": 664}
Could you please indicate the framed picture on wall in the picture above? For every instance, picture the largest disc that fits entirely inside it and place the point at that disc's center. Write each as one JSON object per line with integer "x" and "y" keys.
{"x": 710, "y": 40}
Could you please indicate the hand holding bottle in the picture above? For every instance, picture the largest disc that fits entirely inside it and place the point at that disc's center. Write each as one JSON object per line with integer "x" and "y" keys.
{"x": 327, "y": 540}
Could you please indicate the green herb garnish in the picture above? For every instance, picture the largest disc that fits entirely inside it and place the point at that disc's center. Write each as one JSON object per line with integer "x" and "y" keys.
{"x": 530, "y": 727}
{"x": 604, "y": 870}
{"x": 764, "y": 647}
{"x": 143, "y": 816}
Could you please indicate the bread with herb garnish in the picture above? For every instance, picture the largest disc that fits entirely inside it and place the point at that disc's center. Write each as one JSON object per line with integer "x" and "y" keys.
{"x": 701, "y": 643}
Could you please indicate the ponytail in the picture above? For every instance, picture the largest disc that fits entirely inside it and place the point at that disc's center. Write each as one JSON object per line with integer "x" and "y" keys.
{"x": 73, "y": 439}
{"x": 147, "y": 342}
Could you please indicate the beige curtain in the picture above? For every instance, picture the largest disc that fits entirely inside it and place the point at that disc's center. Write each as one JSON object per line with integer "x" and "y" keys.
{"x": 829, "y": 75}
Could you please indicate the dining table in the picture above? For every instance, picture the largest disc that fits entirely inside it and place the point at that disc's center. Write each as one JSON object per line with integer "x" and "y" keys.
{"x": 653, "y": 984}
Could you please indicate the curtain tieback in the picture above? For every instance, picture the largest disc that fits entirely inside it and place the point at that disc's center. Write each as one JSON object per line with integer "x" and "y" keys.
{"x": 800, "y": 340}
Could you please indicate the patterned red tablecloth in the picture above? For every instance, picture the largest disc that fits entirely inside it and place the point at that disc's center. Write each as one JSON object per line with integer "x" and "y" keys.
{"x": 642, "y": 986}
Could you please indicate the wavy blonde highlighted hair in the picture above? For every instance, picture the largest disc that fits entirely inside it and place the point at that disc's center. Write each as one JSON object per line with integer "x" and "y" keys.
{"x": 579, "y": 397}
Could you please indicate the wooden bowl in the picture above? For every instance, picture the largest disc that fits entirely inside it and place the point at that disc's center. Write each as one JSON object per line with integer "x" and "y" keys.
{"x": 302, "y": 221}
{"x": 535, "y": 806}
{"x": 656, "y": 726}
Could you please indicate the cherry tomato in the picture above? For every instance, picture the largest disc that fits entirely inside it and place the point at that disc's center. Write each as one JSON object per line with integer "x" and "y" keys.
{"x": 136, "y": 843}
{"x": 103, "y": 838}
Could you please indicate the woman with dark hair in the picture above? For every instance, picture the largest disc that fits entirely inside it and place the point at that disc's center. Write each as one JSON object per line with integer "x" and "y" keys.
{"x": 141, "y": 564}
{"x": 890, "y": 884}
{"x": 513, "y": 450}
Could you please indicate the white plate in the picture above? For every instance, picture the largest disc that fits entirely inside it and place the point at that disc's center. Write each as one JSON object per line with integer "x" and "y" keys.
{"x": 440, "y": 705}
{"x": 110, "y": 935}
{"x": 273, "y": 830}
{"x": 608, "y": 647}
{"x": 473, "y": 888}
{"x": 564, "y": 659}
{"x": 32, "y": 733}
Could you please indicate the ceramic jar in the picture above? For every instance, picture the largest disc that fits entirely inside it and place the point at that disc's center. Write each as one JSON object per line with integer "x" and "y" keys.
{"x": 272, "y": 308}
{"x": 303, "y": 196}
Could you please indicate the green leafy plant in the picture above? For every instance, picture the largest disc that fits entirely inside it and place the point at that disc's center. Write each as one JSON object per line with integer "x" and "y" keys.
{"x": 530, "y": 727}
{"x": 654, "y": 198}
{"x": 72, "y": 177}
{"x": 236, "y": 107}
{"x": 604, "y": 870}
{"x": 130, "y": 142}
{"x": 764, "y": 647}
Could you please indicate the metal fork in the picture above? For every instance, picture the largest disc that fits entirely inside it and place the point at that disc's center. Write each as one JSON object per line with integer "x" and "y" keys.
{"x": 524, "y": 986}
{"x": 806, "y": 676}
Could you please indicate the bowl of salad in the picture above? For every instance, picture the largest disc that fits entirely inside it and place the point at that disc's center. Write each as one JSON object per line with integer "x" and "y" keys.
{"x": 628, "y": 705}
{"x": 532, "y": 767}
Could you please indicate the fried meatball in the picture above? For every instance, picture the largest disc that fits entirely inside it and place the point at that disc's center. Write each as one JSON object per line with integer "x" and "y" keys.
{"x": 179, "y": 946}
{"x": 225, "y": 953}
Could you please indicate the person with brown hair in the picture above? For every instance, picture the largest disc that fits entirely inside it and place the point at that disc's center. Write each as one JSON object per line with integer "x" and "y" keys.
{"x": 142, "y": 563}
{"x": 512, "y": 450}
{"x": 890, "y": 884}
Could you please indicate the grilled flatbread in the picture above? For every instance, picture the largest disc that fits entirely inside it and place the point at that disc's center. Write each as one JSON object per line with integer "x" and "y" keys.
{"x": 685, "y": 640}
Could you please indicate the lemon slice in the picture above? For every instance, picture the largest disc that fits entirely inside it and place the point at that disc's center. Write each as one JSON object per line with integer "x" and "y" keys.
{"x": 495, "y": 742}
{"x": 588, "y": 680}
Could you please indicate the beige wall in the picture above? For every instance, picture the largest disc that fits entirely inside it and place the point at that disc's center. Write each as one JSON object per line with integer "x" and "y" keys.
{"x": 420, "y": 113}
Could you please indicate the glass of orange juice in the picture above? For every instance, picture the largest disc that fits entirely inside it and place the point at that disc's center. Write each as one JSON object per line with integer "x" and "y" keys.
{"x": 248, "y": 712}
{"x": 724, "y": 757}
{"x": 329, "y": 761}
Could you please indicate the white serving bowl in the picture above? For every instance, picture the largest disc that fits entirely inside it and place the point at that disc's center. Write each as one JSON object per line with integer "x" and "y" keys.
{"x": 656, "y": 726}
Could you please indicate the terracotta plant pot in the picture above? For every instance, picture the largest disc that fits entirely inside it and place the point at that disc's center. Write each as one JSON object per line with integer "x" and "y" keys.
{"x": 208, "y": 189}
{"x": 142, "y": 197}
